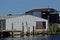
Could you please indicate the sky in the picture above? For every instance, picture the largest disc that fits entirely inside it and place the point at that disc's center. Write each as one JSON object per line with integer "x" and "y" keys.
{"x": 21, "y": 6}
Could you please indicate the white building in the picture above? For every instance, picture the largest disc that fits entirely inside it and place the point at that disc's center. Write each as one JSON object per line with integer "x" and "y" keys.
{"x": 27, "y": 20}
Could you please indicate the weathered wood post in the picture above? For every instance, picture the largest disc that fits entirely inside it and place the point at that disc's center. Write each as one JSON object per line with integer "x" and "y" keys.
{"x": 12, "y": 31}
{"x": 43, "y": 33}
{"x": 28, "y": 30}
{"x": 1, "y": 33}
{"x": 33, "y": 31}
{"x": 1, "y": 29}
{"x": 22, "y": 32}
{"x": 26, "y": 27}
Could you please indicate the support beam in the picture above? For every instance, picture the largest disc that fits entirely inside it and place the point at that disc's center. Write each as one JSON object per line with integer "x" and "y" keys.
{"x": 12, "y": 31}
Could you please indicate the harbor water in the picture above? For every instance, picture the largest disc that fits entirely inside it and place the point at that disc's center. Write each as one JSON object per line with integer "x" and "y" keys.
{"x": 38, "y": 37}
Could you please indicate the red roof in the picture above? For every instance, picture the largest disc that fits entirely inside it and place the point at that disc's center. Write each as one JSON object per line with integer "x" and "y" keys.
{"x": 41, "y": 10}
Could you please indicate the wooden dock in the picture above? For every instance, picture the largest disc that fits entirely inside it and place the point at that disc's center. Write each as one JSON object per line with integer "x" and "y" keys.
{"x": 11, "y": 32}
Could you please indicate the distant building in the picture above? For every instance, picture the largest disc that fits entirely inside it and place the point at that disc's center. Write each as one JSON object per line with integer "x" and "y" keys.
{"x": 46, "y": 13}
{"x": 27, "y": 20}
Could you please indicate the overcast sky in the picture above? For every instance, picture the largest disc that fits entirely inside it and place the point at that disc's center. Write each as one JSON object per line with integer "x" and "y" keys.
{"x": 21, "y": 6}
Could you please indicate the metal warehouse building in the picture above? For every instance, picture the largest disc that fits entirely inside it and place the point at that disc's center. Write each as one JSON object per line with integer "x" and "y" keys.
{"x": 47, "y": 13}
{"x": 28, "y": 21}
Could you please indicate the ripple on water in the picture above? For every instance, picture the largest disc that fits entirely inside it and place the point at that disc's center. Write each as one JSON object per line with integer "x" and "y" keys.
{"x": 49, "y": 37}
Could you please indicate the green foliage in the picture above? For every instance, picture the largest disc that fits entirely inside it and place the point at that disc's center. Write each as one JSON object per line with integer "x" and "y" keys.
{"x": 54, "y": 28}
{"x": 58, "y": 29}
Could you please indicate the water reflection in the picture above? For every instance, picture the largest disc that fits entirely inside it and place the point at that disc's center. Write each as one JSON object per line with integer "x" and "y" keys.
{"x": 39, "y": 37}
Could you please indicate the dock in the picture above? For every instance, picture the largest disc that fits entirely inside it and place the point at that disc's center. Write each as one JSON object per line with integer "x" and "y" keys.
{"x": 11, "y": 33}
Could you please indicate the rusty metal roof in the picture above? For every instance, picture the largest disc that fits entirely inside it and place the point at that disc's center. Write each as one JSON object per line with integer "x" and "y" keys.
{"x": 42, "y": 10}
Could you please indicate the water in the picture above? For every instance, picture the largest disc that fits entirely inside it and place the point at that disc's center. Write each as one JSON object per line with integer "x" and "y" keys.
{"x": 49, "y": 37}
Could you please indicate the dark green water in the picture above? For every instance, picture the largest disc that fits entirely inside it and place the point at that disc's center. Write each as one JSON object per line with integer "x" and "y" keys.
{"x": 49, "y": 37}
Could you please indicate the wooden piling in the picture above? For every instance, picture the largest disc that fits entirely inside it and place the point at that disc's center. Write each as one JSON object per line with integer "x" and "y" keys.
{"x": 33, "y": 31}
{"x": 28, "y": 29}
{"x": 28, "y": 32}
{"x": 1, "y": 29}
{"x": 22, "y": 32}
{"x": 12, "y": 31}
{"x": 1, "y": 34}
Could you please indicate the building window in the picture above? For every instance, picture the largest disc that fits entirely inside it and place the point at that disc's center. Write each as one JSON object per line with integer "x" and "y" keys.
{"x": 40, "y": 25}
{"x": 28, "y": 13}
{"x": 2, "y": 24}
{"x": 44, "y": 25}
{"x": 38, "y": 14}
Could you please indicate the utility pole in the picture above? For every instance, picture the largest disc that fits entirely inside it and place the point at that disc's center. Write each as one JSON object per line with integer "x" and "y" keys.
{"x": 48, "y": 25}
